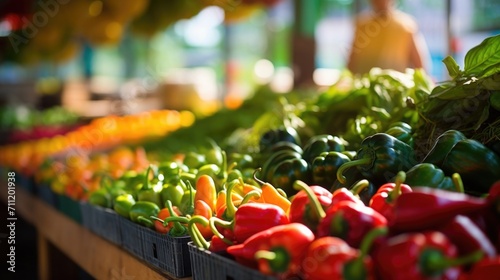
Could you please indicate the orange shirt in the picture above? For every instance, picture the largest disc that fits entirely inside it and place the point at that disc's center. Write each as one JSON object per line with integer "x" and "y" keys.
{"x": 382, "y": 41}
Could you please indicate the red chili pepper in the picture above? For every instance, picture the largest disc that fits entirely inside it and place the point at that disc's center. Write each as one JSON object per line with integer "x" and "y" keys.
{"x": 419, "y": 256}
{"x": 330, "y": 257}
{"x": 383, "y": 200}
{"x": 301, "y": 209}
{"x": 278, "y": 250}
{"x": 485, "y": 269}
{"x": 426, "y": 208}
{"x": 350, "y": 221}
{"x": 467, "y": 236}
{"x": 249, "y": 218}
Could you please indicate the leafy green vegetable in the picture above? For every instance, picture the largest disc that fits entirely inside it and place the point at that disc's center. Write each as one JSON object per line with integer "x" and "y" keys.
{"x": 483, "y": 57}
{"x": 464, "y": 102}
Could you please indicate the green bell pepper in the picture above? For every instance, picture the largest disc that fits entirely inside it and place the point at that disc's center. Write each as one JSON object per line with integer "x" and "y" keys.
{"x": 171, "y": 171}
{"x": 322, "y": 143}
{"x": 100, "y": 197}
{"x": 380, "y": 157}
{"x": 274, "y": 159}
{"x": 429, "y": 175}
{"x": 324, "y": 168}
{"x": 134, "y": 182}
{"x": 287, "y": 172}
{"x": 194, "y": 160}
{"x": 123, "y": 203}
{"x": 352, "y": 175}
{"x": 273, "y": 136}
{"x": 402, "y": 131}
{"x": 213, "y": 155}
{"x": 478, "y": 166}
{"x": 142, "y": 211}
{"x": 172, "y": 192}
{"x": 114, "y": 187}
{"x": 187, "y": 200}
{"x": 442, "y": 146}
{"x": 284, "y": 145}
{"x": 150, "y": 193}
{"x": 218, "y": 173}
{"x": 242, "y": 160}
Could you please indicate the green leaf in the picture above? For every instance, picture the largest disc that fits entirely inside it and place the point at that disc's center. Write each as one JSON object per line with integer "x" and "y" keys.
{"x": 452, "y": 90}
{"x": 452, "y": 67}
{"x": 492, "y": 70}
{"x": 482, "y": 56}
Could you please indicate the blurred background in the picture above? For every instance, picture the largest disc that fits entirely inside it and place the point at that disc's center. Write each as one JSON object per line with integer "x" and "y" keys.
{"x": 101, "y": 57}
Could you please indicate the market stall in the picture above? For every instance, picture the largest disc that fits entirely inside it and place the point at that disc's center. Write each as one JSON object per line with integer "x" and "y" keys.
{"x": 382, "y": 175}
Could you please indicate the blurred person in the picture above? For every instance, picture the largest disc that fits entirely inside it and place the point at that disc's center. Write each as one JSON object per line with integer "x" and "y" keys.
{"x": 388, "y": 38}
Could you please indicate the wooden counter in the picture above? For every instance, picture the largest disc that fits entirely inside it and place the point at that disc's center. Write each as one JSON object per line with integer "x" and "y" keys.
{"x": 97, "y": 256}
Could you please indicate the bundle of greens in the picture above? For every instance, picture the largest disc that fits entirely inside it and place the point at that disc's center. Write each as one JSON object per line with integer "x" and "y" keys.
{"x": 469, "y": 102}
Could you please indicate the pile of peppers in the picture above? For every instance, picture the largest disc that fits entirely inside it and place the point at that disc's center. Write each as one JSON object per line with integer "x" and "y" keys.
{"x": 325, "y": 235}
{"x": 321, "y": 211}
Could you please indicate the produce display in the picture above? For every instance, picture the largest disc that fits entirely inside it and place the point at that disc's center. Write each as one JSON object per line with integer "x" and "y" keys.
{"x": 367, "y": 180}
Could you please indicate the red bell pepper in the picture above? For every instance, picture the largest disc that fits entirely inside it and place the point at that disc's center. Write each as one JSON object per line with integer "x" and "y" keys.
{"x": 426, "y": 208}
{"x": 301, "y": 208}
{"x": 350, "y": 221}
{"x": 217, "y": 244}
{"x": 278, "y": 250}
{"x": 419, "y": 256}
{"x": 330, "y": 257}
{"x": 343, "y": 194}
{"x": 467, "y": 236}
{"x": 248, "y": 219}
{"x": 383, "y": 200}
{"x": 485, "y": 269}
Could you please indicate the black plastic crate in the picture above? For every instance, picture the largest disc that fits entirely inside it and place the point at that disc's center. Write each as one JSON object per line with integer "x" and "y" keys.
{"x": 70, "y": 207}
{"x": 46, "y": 194}
{"x": 169, "y": 254}
{"x": 87, "y": 212}
{"x": 25, "y": 182}
{"x": 209, "y": 265}
{"x": 105, "y": 223}
{"x": 132, "y": 237}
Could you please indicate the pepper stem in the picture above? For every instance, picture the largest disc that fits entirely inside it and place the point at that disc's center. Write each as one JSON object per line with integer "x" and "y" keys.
{"x": 278, "y": 258}
{"x": 177, "y": 227}
{"x": 342, "y": 179}
{"x": 259, "y": 181}
{"x": 457, "y": 181}
{"x": 145, "y": 221}
{"x": 356, "y": 266}
{"x": 398, "y": 181}
{"x": 146, "y": 186}
{"x": 282, "y": 192}
{"x": 316, "y": 205}
{"x": 190, "y": 209}
{"x": 251, "y": 194}
{"x": 222, "y": 223}
{"x": 433, "y": 261}
{"x": 230, "y": 208}
{"x": 359, "y": 186}
{"x": 195, "y": 233}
